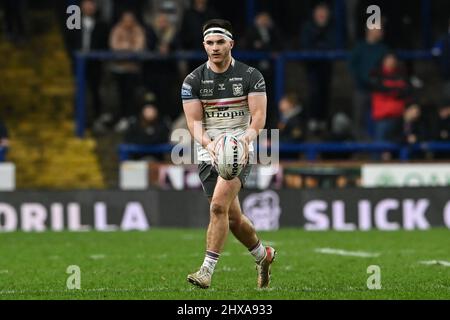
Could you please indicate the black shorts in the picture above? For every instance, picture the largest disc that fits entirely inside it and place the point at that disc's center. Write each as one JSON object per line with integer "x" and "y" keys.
{"x": 208, "y": 176}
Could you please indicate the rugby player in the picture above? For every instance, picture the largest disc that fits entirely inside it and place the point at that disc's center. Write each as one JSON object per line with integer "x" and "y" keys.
{"x": 225, "y": 95}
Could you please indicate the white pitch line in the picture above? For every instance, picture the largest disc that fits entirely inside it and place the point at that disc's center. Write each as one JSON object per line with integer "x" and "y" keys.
{"x": 4, "y": 271}
{"x": 438, "y": 262}
{"x": 340, "y": 252}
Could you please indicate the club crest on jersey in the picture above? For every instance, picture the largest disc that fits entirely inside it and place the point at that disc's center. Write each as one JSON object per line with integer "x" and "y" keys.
{"x": 238, "y": 89}
{"x": 186, "y": 90}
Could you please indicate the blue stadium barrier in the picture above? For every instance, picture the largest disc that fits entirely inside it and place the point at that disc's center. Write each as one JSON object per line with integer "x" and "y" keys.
{"x": 311, "y": 150}
{"x": 433, "y": 146}
{"x": 126, "y": 150}
{"x": 279, "y": 60}
{"x": 3, "y": 151}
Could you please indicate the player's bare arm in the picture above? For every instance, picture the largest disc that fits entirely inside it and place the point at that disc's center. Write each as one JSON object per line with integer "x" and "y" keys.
{"x": 193, "y": 111}
{"x": 257, "y": 104}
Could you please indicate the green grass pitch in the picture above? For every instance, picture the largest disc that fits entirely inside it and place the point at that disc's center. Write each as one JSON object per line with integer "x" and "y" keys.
{"x": 154, "y": 265}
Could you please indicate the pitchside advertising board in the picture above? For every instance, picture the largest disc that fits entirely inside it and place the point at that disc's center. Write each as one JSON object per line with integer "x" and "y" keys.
{"x": 406, "y": 175}
{"x": 312, "y": 209}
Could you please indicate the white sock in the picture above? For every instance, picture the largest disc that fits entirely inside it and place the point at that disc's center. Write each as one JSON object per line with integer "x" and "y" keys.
{"x": 258, "y": 252}
{"x": 210, "y": 261}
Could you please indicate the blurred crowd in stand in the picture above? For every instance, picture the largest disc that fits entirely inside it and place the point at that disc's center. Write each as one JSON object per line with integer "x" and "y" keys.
{"x": 388, "y": 103}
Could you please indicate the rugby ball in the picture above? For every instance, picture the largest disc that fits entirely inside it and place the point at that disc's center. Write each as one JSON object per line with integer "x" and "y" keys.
{"x": 229, "y": 151}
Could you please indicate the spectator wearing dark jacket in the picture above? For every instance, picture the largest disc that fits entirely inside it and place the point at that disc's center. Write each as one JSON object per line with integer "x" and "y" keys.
{"x": 147, "y": 128}
{"x": 190, "y": 34}
{"x": 94, "y": 32}
{"x": 390, "y": 95}
{"x": 265, "y": 36}
{"x": 318, "y": 34}
{"x": 92, "y": 36}
{"x": 291, "y": 124}
{"x": 363, "y": 59}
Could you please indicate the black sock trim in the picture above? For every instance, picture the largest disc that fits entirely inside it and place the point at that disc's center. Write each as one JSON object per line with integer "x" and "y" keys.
{"x": 212, "y": 255}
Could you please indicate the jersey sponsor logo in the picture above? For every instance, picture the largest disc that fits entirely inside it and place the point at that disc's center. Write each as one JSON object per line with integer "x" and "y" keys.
{"x": 206, "y": 92}
{"x": 250, "y": 69}
{"x": 235, "y": 79}
{"x": 238, "y": 89}
{"x": 235, "y": 157}
{"x": 221, "y": 86}
{"x": 186, "y": 91}
{"x": 207, "y": 81}
{"x": 261, "y": 84}
{"x": 224, "y": 114}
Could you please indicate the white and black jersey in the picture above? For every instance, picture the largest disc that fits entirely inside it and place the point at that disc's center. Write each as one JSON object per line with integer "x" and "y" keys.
{"x": 224, "y": 97}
